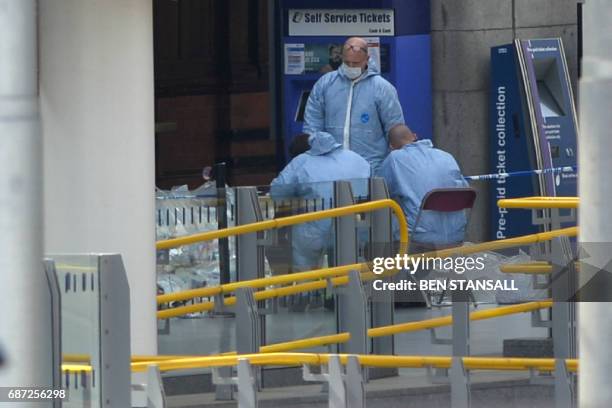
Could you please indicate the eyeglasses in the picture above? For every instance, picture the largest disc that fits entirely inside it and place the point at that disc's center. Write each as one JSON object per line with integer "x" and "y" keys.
{"x": 355, "y": 48}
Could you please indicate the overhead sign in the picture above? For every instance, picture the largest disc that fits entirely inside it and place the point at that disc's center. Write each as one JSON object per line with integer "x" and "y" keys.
{"x": 342, "y": 22}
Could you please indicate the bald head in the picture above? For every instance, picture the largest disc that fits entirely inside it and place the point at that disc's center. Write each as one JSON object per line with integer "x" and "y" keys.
{"x": 357, "y": 42}
{"x": 355, "y": 52}
{"x": 399, "y": 136}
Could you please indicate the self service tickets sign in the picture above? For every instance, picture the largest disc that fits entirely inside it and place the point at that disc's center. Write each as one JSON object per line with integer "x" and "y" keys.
{"x": 341, "y": 22}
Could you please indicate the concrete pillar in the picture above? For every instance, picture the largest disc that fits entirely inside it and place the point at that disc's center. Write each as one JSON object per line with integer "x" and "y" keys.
{"x": 462, "y": 34}
{"x": 595, "y": 318}
{"x": 25, "y": 300}
{"x": 96, "y": 85}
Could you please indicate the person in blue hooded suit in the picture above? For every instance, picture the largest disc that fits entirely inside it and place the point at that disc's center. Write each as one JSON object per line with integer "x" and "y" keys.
{"x": 414, "y": 168}
{"x": 355, "y": 104}
{"x": 310, "y": 176}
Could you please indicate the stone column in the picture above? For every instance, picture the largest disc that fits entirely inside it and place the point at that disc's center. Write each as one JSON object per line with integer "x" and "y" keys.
{"x": 96, "y": 85}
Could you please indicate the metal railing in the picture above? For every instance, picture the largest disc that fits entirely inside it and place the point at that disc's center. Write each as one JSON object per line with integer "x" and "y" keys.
{"x": 539, "y": 202}
{"x": 293, "y": 220}
{"x": 344, "y": 373}
{"x": 531, "y": 268}
{"x": 328, "y": 272}
{"x": 289, "y": 359}
{"x": 269, "y": 354}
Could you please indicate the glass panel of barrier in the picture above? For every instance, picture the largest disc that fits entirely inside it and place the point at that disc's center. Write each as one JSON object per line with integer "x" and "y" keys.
{"x": 189, "y": 213}
{"x": 80, "y": 320}
{"x": 304, "y": 247}
{"x": 301, "y": 248}
{"x": 204, "y": 264}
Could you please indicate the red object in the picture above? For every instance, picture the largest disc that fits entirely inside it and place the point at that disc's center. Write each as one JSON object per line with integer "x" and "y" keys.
{"x": 449, "y": 199}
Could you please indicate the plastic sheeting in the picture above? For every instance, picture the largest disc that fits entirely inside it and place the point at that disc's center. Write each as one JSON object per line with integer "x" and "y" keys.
{"x": 492, "y": 261}
{"x": 182, "y": 212}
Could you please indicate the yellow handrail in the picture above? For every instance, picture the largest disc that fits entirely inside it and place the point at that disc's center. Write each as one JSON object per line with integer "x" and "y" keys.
{"x": 306, "y": 343}
{"x": 300, "y": 344}
{"x": 266, "y": 294}
{"x": 448, "y": 320}
{"x": 259, "y": 283}
{"x": 539, "y": 202}
{"x": 532, "y": 268}
{"x": 389, "y": 361}
{"x": 321, "y": 284}
{"x": 76, "y": 368}
{"x": 505, "y": 243}
{"x": 277, "y": 223}
{"x": 402, "y": 327}
{"x": 344, "y": 337}
{"x": 76, "y": 358}
{"x": 292, "y": 220}
{"x": 292, "y": 359}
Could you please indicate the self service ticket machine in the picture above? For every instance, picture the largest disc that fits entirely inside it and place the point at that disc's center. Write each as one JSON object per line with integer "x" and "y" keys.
{"x": 313, "y": 32}
{"x": 532, "y": 126}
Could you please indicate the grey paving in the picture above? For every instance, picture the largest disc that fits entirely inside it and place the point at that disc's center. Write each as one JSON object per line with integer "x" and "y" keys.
{"x": 502, "y": 390}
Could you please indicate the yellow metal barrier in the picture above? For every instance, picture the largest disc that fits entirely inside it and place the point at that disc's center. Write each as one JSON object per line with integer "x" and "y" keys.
{"x": 448, "y": 320}
{"x": 379, "y": 331}
{"x": 292, "y": 220}
{"x": 76, "y": 368}
{"x": 506, "y": 243}
{"x": 539, "y": 202}
{"x": 401, "y": 327}
{"x": 345, "y": 337}
{"x": 258, "y": 283}
{"x": 270, "y": 293}
{"x": 275, "y": 280}
{"x": 532, "y": 268}
{"x": 306, "y": 343}
{"x": 389, "y": 361}
{"x": 76, "y": 358}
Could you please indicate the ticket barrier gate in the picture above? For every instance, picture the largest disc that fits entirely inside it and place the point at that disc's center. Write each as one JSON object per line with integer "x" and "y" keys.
{"x": 95, "y": 307}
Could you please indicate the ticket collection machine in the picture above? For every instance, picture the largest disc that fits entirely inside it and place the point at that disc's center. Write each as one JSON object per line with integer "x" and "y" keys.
{"x": 532, "y": 126}
{"x": 312, "y": 33}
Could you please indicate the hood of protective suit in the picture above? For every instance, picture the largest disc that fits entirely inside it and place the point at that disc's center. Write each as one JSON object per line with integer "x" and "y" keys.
{"x": 373, "y": 69}
{"x": 322, "y": 143}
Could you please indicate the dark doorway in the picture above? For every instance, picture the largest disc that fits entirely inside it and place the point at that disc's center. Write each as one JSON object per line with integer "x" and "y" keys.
{"x": 212, "y": 91}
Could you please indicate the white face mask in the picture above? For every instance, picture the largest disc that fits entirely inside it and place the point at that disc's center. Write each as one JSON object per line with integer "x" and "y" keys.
{"x": 350, "y": 72}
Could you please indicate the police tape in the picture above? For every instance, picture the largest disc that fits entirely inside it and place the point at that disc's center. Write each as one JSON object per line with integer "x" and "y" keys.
{"x": 565, "y": 169}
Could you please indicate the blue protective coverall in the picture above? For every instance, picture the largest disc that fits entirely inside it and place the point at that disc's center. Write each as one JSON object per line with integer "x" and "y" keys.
{"x": 359, "y": 114}
{"x": 413, "y": 171}
{"x": 310, "y": 176}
